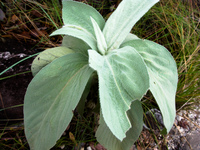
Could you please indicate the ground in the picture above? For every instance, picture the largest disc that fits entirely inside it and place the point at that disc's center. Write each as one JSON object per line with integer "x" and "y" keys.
{"x": 12, "y": 90}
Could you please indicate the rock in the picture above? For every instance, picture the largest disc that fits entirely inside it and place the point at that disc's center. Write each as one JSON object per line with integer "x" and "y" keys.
{"x": 185, "y": 134}
{"x": 2, "y": 15}
{"x": 154, "y": 119}
{"x": 193, "y": 141}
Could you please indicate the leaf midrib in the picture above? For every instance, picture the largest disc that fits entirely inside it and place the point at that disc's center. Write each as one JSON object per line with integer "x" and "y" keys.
{"x": 115, "y": 81}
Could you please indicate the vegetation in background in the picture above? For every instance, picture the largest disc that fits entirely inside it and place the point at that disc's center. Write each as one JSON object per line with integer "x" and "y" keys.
{"x": 177, "y": 26}
{"x": 171, "y": 23}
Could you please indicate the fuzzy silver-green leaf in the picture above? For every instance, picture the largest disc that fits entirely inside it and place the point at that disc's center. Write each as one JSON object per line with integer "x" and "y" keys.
{"x": 163, "y": 76}
{"x": 109, "y": 141}
{"x": 120, "y": 23}
{"x": 51, "y": 98}
{"x": 123, "y": 78}
{"x": 47, "y": 56}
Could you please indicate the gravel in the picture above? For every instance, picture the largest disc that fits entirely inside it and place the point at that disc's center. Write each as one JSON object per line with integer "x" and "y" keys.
{"x": 184, "y": 135}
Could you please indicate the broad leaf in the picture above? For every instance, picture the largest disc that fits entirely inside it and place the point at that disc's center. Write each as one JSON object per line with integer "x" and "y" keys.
{"x": 120, "y": 23}
{"x": 163, "y": 76}
{"x": 75, "y": 44}
{"x": 51, "y": 98}
{"x": 130, "y": 37}
{"x": 109, "y": 141}
{"x": 78, "y": 32}
{"x": 47, "y": 56}
{"x": 123, "y": 78}
{"x": 78, "y": 24}
{"x": 78, "y": 14}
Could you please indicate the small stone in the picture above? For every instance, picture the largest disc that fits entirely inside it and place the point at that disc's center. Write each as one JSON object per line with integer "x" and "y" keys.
{"x": 2, "y": 15}
{"x": 179, "y": 118}
{"x": 62, "y": 146}
{"x": 89, "y": 148}
{"x": 180, "y": 113}
{"x": 182, "y": 131}
{"x": 193, "y": 139}
{"x": 191, "y": 115}
{"x": 151, "y": 116}
{"x": 5, "y": 55}
{"x": 21, "y": 55}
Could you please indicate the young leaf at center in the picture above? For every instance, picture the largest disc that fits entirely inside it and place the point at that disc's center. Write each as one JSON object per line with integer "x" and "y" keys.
{"x": 101, "y": 42}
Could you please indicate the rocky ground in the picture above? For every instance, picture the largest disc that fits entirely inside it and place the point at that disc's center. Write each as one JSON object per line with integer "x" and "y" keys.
{"x": 184, "y": 135}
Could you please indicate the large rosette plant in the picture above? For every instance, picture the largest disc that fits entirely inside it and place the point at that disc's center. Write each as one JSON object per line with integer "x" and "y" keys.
{"x": 127, "y": 67}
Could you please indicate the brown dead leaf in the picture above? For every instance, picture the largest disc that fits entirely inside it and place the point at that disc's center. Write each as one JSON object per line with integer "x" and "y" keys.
{"x": 72, "y": 138}
{"x": 92, "y": 145}
{"x": 36, "y": 13}
{"x": 35, "y": 33}
{"x": 43, "y": 32}
{"x": 14, "y": 18}
{"x": 99, "y": 147}
{"x": 26, "y": 34}
{"x": 138, "y": 147}
{"x": 38, "y": 33}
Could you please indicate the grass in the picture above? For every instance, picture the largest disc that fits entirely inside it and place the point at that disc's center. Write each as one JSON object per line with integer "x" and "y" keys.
{"x": 171, "y": 23}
